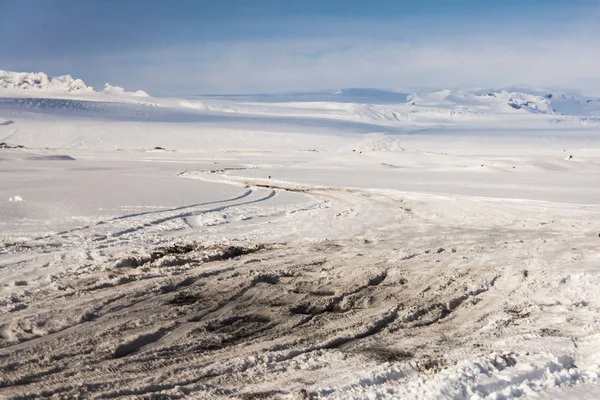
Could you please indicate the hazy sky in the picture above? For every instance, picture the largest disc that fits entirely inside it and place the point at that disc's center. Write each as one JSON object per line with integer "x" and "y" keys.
{"x": 241, "y": 46}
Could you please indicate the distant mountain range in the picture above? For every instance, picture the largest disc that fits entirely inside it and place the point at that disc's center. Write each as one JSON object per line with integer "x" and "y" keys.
{"x": 520, "y": 99}
{"x": 516, "y": 103}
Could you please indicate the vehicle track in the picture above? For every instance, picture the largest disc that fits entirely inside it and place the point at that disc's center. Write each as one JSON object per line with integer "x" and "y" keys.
{"x": 410, "y": 293}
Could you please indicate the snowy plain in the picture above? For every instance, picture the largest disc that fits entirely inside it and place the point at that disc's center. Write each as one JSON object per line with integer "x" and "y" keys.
{"x": 352, "y": 244}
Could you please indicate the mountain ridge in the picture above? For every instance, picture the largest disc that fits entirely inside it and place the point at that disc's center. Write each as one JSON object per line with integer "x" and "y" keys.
{"x": 361, "y": 104}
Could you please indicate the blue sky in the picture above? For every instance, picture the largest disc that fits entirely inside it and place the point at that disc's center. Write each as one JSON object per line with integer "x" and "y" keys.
{"x": 236, "y": 46}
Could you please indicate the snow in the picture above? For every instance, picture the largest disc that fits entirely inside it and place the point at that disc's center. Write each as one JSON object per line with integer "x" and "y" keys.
{"x": 335, "y": 245}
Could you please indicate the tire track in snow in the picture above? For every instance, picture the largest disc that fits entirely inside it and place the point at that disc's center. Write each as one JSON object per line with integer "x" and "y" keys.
{"x": 191, "y": 214}
{"x": 129, "y": 216}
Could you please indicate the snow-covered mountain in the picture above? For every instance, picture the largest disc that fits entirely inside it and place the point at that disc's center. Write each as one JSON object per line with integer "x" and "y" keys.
{"x": 521, "y": 99}
{"x": 40, "y": 82}
{"x": 354, "y": 105}
{"x": 389, "y": 105}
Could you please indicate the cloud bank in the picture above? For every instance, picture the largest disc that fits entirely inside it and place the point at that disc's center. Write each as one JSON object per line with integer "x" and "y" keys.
{"x": 289, "y": 65}
{"x": 423, "y": 54}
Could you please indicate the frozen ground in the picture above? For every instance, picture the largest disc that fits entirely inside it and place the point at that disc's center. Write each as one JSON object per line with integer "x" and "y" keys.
{"x": 266, "y": 247}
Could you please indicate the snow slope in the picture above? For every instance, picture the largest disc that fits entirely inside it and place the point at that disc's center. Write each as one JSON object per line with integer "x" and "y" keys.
{"x": 339, "y": 245}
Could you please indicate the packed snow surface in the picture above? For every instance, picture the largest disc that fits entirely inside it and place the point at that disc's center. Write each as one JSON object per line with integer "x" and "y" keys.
{"x": 353, "y": 244}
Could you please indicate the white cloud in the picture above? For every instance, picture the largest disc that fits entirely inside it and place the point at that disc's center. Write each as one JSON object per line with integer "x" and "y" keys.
{"x": 316, "y": 64}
